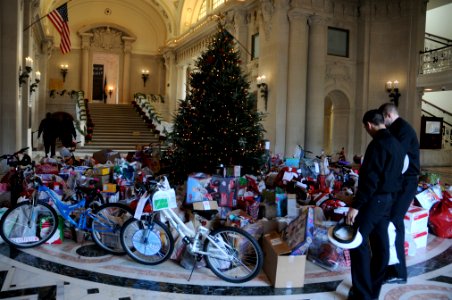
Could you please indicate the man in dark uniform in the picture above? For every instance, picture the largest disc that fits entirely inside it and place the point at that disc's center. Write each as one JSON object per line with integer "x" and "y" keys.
{"x": 48, "y": 129}
{"x": 380, "y": 176}
{"x": 407, "y": 137}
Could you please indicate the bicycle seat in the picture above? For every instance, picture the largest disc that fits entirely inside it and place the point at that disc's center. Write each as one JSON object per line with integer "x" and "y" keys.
{"x": 206, "y": 214}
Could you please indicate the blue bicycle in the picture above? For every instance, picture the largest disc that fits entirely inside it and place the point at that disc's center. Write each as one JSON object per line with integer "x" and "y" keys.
{"x": 33, "y": 222}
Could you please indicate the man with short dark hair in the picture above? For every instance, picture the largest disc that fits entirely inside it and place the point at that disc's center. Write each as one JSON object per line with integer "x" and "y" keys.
{"x": 379, "y": 178}
{"x": 407, "y": 137}
{"x": 48, "y": 129}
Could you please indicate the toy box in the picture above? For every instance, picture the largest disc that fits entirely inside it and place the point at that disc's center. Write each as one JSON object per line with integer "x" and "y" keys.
{"x": 416, "y": 219}
{"x": 283, "y": 270}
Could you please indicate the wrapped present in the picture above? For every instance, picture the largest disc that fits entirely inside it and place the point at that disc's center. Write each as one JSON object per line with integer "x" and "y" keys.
{"x": 224, "y": 191}
{"x": 199, "y": 188}
{"x": 47, "y": 169}
{"x": 238, "y": 218}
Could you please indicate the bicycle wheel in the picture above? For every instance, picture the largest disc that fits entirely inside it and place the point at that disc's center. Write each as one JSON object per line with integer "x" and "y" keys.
{"x": 147, "y": 241}
{"x": 106, "y": 226}
{"x": 239, "y": 258}
{"x": 27, "y": 225}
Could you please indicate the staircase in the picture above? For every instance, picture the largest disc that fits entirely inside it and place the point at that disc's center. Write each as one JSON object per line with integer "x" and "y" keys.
{"x": 118, "y": 127}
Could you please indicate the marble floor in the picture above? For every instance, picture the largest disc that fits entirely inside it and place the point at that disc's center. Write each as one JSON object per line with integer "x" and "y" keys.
{"x": 75, "y": 271}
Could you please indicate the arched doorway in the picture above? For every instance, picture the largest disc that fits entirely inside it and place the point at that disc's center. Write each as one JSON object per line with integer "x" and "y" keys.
{"x": 106, "y": 50}
{"x": 336, "y": 122}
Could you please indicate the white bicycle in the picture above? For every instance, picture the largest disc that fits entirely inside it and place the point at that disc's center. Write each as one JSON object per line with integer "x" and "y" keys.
{"x": 231, "y": 253}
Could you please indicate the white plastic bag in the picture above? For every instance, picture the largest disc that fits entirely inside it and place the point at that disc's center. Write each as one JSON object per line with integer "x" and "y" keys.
{"x": 393, "y": 260}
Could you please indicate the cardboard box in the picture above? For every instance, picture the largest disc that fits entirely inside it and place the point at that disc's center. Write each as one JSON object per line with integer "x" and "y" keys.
{"x": 416, "y": 219}
{"x": 283, "y": 270}
{"x": 427, "y": 198}
{"x": 205, "y": 205}
{"x": 101, "y": 180}
{"x": 101, "y": 170}
{"x": 109, "y": 188}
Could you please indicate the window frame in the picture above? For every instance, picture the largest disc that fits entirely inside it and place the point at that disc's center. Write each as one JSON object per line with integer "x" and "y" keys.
{"x": 338, "y": 43}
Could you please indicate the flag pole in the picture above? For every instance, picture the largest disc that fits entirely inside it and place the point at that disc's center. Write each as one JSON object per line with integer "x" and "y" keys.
{"x": 26, "y": 28}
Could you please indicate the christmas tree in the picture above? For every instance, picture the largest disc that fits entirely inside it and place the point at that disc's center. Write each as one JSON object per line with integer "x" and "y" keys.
{"x": 217, "y": 123}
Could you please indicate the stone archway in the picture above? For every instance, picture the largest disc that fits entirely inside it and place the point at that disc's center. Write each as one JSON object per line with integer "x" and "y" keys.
{"x": 336, "y": 122}
{"x": 106, "y": 43}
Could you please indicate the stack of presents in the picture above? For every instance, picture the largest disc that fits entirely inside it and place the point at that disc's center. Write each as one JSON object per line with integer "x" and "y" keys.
{"x": 289, "y": 210}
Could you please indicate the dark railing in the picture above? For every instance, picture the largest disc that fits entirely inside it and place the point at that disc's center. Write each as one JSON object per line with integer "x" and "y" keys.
{"x": 437, "y": 107}
{"x": 434, "y": 61}
{"x": 447, "y": 126}
{"x": 437, "y": 39}
{"x": 437, "y": 54}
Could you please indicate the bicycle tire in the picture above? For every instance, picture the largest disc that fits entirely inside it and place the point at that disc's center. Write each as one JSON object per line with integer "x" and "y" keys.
{"x": 147, "y": 242}
{"x": 106, "y": 226}
{"x": 245, "y": 257}
{"x": 15, "y": 231}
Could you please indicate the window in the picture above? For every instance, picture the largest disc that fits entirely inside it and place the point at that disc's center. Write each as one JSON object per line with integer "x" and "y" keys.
{"x": 338, "y": 41}
{"x": 216, "y": 3}
{"x": 255, "y": 46}
{"x": 203, "y": 10}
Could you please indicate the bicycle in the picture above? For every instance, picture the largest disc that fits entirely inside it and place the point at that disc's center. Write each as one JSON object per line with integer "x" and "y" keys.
{"x": 231, "y": 253}
{"x": 34, "y": 221}
{"x": 16, "y": 175}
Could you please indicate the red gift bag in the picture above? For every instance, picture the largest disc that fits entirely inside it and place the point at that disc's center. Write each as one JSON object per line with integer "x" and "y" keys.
{"x": 440, "y": 219}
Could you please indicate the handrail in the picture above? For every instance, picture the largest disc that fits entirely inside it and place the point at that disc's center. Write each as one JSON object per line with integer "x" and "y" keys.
{"x": 434, "y": 61}
{"x": 429, "y": 113}
{"x": 437, "y": 107}
{"x": 435, "y": 38}
{"x": 436, "y": 49}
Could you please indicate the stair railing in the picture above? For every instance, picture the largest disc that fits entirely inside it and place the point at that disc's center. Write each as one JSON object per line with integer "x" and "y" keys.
{"x": 81, "y": 113}
{"x": 447, "y": 126}
{"x": 437, "y": 60}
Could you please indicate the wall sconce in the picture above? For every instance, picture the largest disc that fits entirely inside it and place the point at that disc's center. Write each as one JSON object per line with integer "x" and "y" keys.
{"x": 35, "y": 84}
{"x": 393, "y": 89}
{"x": 63, "y": 71}
{"x": 263, "y": 88}
{"x": 23, "y": 75}
{"x": 145, "y": 76}
{"x": 110, "y": 91}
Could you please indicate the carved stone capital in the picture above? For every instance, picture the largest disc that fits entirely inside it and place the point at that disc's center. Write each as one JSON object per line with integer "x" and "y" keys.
{"x": 296, "y": 15}
{"x": 316, "y": 20}
{"x": 267, "y": 10}
{"x": 338, "y": 72}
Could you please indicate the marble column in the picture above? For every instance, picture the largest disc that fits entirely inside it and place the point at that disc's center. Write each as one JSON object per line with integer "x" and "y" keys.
{"x": 296, "y": 83}
{"x": 86, "y": 38}
{"x": 11, "y": 63}
{"x": 47, "y": 49}
{"x": 277, "y": 82}
{"x": 170, "y": 82}
{"x": 126, "y": 69}
{"x": 241, "y": 36}
{"x": 26, "y": 96}
{"x": 316, "y": 85}
{"x": 181, "y": 91}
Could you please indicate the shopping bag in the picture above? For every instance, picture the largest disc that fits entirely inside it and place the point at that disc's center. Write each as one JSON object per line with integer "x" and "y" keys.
{"x": 440, "y": 220}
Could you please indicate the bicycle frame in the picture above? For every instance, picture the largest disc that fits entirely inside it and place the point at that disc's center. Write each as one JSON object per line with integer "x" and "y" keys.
{"x": 64, "y": 209}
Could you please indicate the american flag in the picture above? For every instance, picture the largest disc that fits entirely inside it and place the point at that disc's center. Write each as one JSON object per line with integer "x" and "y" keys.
{"x": 59, "y": 19}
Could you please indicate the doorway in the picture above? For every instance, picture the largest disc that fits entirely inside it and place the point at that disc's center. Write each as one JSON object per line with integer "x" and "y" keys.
{"x": 99, "y": 93}
{"x": 105, "y": 84}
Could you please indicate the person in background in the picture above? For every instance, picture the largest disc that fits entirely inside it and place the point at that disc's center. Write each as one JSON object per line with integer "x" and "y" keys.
{"x": 48, "y": 129}
{"x": 68, "y": 132}
{"x": 380, "y": 177}
{"x": 407, "y": 137}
